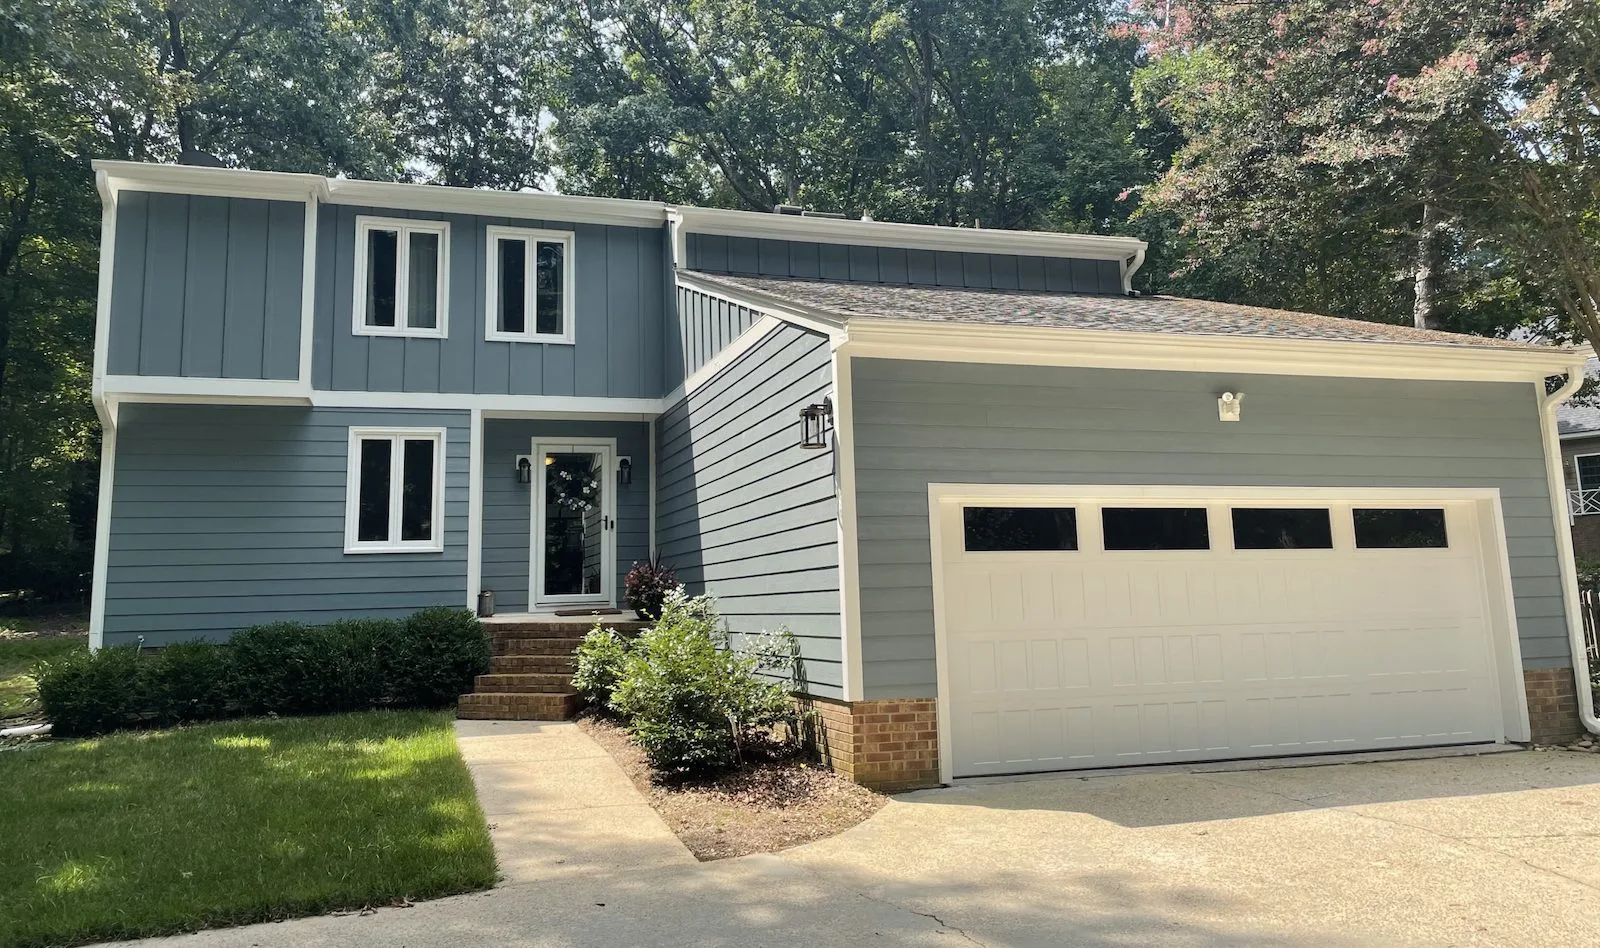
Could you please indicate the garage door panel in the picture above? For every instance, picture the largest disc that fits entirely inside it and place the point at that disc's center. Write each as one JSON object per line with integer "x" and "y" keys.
{"x": 1090, "y": 658}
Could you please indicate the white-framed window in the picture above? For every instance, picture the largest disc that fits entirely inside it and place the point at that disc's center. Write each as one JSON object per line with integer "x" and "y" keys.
{"x": 1587, "y": 469}
{"x": 530, "y": 285}
{"x": 402, "y": 277}
{"x": 394, "y": 491}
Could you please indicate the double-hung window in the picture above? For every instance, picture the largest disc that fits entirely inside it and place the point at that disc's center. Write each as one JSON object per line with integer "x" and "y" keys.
{"x": 401, "y": 284}
{"x": 529, "y": 280}
{"x": 394, "y": 491}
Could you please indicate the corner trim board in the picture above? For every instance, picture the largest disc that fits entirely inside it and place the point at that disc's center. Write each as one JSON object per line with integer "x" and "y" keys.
{"x": 474, "y": 509}
{"x": 1565, "y": 557}
{"x": 849, "y": 552}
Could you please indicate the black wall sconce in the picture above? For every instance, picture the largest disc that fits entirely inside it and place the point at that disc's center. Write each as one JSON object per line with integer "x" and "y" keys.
{"x": 815, "y": 420}
{"x": 624, "y": 471}
{"x": 524, "y": 469}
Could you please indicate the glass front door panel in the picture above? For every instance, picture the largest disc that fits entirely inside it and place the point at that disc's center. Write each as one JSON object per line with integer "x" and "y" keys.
{"x": 574, "y": 524}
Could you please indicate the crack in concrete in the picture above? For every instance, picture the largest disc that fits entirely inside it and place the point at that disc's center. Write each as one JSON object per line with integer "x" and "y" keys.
{"x": 945, "y": 926}
{"x": 1468, "y": 841}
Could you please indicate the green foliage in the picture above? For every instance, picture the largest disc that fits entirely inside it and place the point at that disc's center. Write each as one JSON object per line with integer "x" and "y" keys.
{"x": 693, "y": 703}
{"x": 425, "y": 660}
{"x": 435, "y": 657}
{"x": 92, "y": 692}
{"x": 601, "y": 658}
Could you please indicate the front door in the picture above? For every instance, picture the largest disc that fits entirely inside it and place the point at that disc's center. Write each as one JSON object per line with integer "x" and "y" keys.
{"x": 574, "y": 523}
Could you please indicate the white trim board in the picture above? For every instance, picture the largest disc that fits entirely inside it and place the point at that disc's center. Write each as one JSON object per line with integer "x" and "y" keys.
{"x": 474, "y": 509}
{"x": 853, "y": 685}
{"x": 1485, "y": 502}
{"x": 102, "y": 537}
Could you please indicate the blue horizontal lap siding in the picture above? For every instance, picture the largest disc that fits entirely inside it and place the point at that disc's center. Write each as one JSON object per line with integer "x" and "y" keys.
{"x": 224, "y": 517}
{"x": 206, "y": 287}
{"x": 620, "y": 295}
{"x": 863, "y": 264}
{"x": 747, "y": 515}
{"x": 507, "y": 533}
{"x": 918, "y": 423}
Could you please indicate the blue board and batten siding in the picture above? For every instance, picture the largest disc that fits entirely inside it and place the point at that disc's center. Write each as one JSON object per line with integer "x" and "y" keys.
{"x": 206, "y": 287}
{"x": 705, "y": 325}
{"x": 507, "y": 505}
{"x": 918, "y": 423}
{"x": 620, "y": 294}
{"x": 864, "y": 264}
{"x": 223, "y": 517}
{"x": 746, "y": 514}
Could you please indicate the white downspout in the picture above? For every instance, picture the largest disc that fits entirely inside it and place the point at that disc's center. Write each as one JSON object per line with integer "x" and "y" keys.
{"x": 1567, "y": 562}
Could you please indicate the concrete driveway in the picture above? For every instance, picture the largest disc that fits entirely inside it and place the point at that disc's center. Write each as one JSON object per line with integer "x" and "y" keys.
{"x": 1501, "y": 849}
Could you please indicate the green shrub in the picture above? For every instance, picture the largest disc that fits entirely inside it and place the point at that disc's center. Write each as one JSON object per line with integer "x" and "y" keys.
{"x": 601, "y": 657}
{"x": 86, "y": 693}
{"x": 189, "y": 681}
{"x": 693, "y": 703}
{"x": 438, "y": 654}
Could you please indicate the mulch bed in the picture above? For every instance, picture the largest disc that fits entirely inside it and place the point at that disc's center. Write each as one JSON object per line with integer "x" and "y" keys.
{"x": 760, "y": 808}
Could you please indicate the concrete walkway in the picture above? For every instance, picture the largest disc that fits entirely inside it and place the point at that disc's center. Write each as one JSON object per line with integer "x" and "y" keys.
{"x": 558, "y": 804}
{"x": 1495, "y": 850}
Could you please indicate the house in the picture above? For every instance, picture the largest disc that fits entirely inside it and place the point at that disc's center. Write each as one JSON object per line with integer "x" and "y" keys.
{"x": 1579, "y": 428}
{"x": 1018, "y": 518}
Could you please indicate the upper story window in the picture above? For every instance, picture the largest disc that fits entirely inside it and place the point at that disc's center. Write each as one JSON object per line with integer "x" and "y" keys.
{"x": 529, "y": 280}
{"x": 1587, "y": 467}
{"x": 394, "y": 491}
{"x": 401, "y": 268}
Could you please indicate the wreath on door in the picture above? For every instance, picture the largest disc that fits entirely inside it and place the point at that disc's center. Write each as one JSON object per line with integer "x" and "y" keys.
{"x": 572, "y": 482}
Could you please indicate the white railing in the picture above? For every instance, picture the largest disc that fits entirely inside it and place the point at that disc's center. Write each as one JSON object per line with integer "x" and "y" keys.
{"x": 1582, "y": 502}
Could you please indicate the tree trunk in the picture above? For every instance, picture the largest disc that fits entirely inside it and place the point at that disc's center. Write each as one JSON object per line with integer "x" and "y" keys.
{"x": 1423, "y": 310}
{"x": 180, "y": 65}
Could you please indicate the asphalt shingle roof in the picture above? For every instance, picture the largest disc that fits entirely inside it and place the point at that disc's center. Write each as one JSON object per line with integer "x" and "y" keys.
{"x": 1153, "y": 314}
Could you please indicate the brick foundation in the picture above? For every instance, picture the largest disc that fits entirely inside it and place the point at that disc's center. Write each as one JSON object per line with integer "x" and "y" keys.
{"x": 891, "y": 744}
{"x": 1552, "y": 705}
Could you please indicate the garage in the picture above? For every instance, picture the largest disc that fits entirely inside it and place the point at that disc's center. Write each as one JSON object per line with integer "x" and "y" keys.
{"x": 1081, "y": 627}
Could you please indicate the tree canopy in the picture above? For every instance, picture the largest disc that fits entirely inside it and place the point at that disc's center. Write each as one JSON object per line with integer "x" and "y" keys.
{"x": 1428, "y": 161}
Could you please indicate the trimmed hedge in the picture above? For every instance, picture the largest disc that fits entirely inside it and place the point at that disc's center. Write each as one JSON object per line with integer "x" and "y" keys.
{"x": 287, "y": 668}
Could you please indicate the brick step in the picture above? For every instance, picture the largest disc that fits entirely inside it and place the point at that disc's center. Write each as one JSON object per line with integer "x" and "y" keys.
{"x": 501, "y": 706}
{"x": 523, "y": 684}
{"x": 532, "y": 665}
{"x": 533, "y": 646}
{"x": 577, "y": 627}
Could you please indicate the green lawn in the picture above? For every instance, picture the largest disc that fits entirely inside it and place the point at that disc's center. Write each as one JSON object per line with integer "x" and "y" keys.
{"x": 165, "y": 831}
{"x": 18, "y": 652}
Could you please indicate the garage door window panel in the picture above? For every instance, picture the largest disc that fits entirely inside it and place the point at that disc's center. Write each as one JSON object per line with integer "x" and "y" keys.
{"x": 1155, "y": 528}
{"x": 1019, "y": 529}
{"x": 1282, "y": 528}
{"x": 1400, "y": 528}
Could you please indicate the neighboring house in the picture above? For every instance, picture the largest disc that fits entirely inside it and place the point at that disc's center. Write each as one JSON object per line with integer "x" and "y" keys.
{"x": 1579, "y": 426}
{"x": 1018, "y": 519}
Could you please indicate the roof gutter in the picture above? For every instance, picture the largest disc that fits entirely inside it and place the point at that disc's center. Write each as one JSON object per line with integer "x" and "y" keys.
{"x": 1567, "y": 562}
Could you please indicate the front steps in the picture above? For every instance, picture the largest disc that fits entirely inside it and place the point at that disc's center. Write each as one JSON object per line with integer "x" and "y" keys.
{"x": 530, "y": 674}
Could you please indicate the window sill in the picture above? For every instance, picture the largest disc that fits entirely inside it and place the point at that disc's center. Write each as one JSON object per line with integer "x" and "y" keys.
{"x": 528, "y": 337}
{"x": 395, "y": 548}
{"x": 400, "y": 333}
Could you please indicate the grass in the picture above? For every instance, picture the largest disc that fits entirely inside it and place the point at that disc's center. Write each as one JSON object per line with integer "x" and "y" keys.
{"x": 157, "y": 832}
{"x": 22, "y": 643}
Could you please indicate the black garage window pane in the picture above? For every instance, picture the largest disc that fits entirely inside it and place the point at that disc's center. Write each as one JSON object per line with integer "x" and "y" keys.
{"x": 372, "y": 495}
{"x": 1282, "y": 528}
{"x": 999, "y": 529}
{"x": 1155, "y": 528}
{"x": 1397, "y": 528}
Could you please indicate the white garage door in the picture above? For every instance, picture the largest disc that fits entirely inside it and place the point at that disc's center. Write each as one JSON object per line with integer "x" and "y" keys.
{"x": 1078, "y": 635}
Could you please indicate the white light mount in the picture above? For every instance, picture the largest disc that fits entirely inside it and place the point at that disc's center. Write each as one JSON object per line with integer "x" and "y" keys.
{"x": 1228, "y": 406}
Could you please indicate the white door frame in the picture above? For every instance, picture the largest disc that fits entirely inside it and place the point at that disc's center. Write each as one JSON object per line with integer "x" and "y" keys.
{"x": 607, "y": 449}
{"x": 1505, "y": 646}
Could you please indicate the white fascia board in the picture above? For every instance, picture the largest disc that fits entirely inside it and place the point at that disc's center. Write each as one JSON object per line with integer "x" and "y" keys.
{"x": 214, "y": 182}
{"x": 1171, "y": 352}
{"x": 532, "y": 205}
{"x": 828, "y": 230}
{"x": 775, "y": 306}
{"x": 1580, "y": 435}
{"x": 174, "y": 388}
